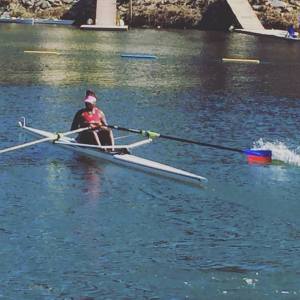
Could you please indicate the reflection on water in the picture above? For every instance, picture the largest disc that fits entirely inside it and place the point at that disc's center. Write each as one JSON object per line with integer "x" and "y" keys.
{"x": 87, "y": 175}
{"x": 91, "y": 178}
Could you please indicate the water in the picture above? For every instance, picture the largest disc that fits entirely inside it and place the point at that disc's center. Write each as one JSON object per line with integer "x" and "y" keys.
{"x": 76, "y": 228}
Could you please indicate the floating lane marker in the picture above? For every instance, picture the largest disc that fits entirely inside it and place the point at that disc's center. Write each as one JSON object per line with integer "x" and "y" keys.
{"x": 143, "y": 56}
{"x": 41, "y": 52}
{"x": 241, "y": 60}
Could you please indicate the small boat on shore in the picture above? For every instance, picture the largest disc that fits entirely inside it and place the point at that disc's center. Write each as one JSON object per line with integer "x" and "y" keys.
{"x": 269, "y": 33}
{"x": 32, "y": 21}
{"x": 118, "y": 154}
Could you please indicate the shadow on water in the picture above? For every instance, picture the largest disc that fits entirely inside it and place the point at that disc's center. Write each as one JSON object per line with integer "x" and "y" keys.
{"x": 81, "y": 11}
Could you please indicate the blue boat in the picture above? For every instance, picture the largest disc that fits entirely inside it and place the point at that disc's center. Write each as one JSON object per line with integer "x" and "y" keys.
{"x": 16, "y": 20}
{"x": 33, "y": 21}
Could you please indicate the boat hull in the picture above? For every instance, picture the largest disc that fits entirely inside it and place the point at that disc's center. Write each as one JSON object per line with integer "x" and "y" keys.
{"x": 127, "y": 160}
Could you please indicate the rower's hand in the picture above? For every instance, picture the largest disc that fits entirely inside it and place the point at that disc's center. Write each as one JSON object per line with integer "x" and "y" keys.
{"x": 96, "y": 125}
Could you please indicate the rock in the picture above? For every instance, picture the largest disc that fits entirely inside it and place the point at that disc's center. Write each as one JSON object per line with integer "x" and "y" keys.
{"x": 28, "y": 3}
{"x": 90, "y": 21}
{"x": 289, "y": 9}
{"x": 6, "y": 14}
{"x": 56, "y": 3}
{"x": 277, "y": 3}
{"x": 45, "y": 4}
{"x": 258, "y": 7}
{"x": 37, "y": 3}
{"x": 295, "y": 3}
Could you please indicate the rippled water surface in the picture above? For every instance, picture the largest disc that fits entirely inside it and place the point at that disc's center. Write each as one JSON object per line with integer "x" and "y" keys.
{"x": 72, "y": 227}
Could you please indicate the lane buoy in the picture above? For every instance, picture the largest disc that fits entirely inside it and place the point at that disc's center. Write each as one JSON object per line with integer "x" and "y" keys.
{"x": 241, "y": 60}
{"x": 41, "y": 52}
{"x": 132, "y": 55}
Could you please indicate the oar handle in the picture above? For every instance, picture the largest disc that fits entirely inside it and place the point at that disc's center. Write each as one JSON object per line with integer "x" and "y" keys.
{"x": 125, "y": 129}
{"x": 75, "y": 131}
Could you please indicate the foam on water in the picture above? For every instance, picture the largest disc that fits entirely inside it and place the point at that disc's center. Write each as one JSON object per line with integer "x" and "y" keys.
{"x": 280, "y": 151}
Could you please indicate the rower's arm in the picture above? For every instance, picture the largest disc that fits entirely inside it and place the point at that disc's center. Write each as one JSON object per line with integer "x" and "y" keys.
{"x": 103, "y": 121}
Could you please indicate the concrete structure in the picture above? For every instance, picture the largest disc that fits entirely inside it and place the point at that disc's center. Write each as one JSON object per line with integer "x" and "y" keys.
{"x": 245, "y": 14}
{"x": 106, "y": 17}
{"x": 250, "y": 23}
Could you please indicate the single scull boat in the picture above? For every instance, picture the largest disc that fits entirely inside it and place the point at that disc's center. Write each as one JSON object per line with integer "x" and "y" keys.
{"x": 118, "y": 155}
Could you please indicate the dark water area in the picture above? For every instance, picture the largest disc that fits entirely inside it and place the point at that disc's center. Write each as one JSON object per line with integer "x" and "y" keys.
{"x": 73, "y": 227}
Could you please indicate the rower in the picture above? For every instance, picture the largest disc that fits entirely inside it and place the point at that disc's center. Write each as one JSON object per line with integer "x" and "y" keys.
{"x": 92, "y": 116}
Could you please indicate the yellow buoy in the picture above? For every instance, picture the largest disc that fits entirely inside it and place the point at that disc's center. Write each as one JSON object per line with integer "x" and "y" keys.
{"x": 41, "y": 52}
{"x": 242, "y": 60}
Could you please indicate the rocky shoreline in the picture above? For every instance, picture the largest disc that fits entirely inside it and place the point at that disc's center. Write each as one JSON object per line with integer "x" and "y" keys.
{"x": 200, "y": 14}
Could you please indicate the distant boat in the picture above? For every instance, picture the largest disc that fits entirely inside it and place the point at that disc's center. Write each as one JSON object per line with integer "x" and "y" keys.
{"x": 33, "y": 21}
{"x": 16, "y": 20}
{"x": 54, "y": 22}
{"x": 272, "y": 33}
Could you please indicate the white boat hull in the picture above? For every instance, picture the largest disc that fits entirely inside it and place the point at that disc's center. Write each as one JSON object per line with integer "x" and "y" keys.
{"x": 127, "y": 160}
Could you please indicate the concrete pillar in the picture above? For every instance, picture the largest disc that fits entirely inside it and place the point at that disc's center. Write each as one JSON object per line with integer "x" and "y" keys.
{"x": 106, "y": 13}
{"x": 106, "y": 17}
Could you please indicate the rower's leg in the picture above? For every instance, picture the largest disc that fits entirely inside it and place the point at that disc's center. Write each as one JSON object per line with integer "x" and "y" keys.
{"x": 112, "y": 140}
{"x": 86, "y": 138}
{"x": 96, "y": 138}
{"x": 106, "y": 138}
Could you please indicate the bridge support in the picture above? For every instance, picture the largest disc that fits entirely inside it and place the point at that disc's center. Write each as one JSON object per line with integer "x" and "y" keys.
{"x": 106, "y": 17}
{"x": 245, "y": 14}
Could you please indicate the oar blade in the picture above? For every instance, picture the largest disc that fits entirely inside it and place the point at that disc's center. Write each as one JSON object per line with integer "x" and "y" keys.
{"x": 257, "y": 156}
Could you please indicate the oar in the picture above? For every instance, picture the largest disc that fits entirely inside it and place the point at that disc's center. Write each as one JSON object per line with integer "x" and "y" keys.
{"x": 253, "y": 155}
{"x": 27, "y": 144}
{"x": 55, "y": 137}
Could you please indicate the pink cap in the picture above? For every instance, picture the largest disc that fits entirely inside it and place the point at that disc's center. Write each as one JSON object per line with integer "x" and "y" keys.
{"x": 90, "y": 99}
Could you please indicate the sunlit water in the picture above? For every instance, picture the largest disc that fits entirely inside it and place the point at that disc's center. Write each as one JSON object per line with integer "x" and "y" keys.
{"x": 73, "y": 227}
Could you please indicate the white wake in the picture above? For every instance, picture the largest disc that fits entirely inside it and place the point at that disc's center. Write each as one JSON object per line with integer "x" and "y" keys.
{"x": 280, "y": 151}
